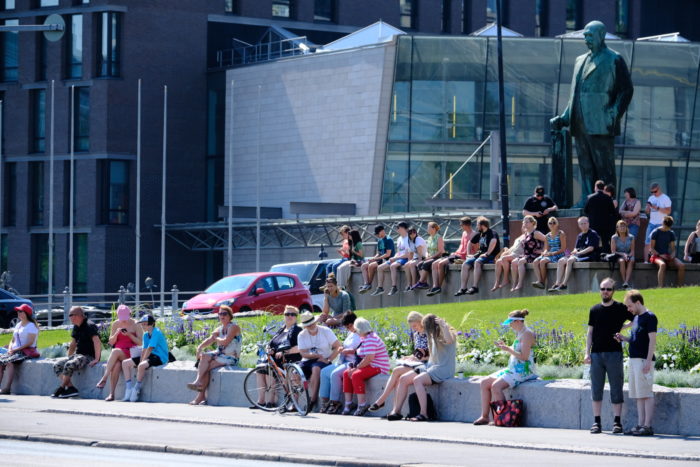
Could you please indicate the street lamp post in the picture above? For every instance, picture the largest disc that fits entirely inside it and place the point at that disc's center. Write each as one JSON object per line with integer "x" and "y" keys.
{"x": 505, "y": 210}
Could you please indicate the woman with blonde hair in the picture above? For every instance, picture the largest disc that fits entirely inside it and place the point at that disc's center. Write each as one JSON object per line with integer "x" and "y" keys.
{"x": 124, "y": 335}
{"x": 418, "y": 247}
{"x": 554, "y": 250}
{"x": 521, "y": 365}
{"x": 442, "y": 343}
{"x": 420, "y": 354}
{"x": 532, "y": 248}
{"x": 436, "y": 250}
{"x": 622, "y": 247}
{"x": 503, "y": 263}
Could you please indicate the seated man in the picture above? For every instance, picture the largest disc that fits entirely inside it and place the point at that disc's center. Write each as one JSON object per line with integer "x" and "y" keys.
{"x": 588, "y": 246}
{"x": 663, "y": 252}
{"x": 154, "y": 353}
{"x": 395, "y": 263}
{"x": 84, "y": 350}
{"x": 440, "y": 266}
{"x": 385, "y": 250}
{"x": 318, "y": 347}
{"x": 489, "y": 246}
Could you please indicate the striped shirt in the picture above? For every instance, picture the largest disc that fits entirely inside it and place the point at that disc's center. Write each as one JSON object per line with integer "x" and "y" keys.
{"x": 373, "y": 345}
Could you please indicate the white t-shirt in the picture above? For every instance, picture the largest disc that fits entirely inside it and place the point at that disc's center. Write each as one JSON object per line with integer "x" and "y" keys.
{"x": 350, "y": 342}
{"x": 419, "y": 242}
{"x": 663, "y": 201}
{"x": 21, "y": 334}
{"x": 321, "y": 343}
{"x": 402, "y": 247}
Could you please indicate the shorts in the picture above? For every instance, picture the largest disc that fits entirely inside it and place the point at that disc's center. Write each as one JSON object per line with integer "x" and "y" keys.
{"x": 552, "y": 259}
{"x": 650, "y": 228}
{"x": 641, "y": 385}
{"x": 401, "y": 261}
{"x": 308, "y": 365}
{"x": 224, "y": 359}
{"x": 485, "y": 259}
{"x": 583, "y": 259}
{"x": 66, "y": 366}
{"x": 654, "y": 258}
{"x": 609, "y": 363}
{"x": 426, "y": 265}
{"x": 153, "y": 360}
{"x": 633, "y": 229}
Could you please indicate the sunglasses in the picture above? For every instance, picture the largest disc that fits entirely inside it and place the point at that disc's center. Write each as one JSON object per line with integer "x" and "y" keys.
{"x": 653, "y": 192}
{"x": 290, "y": 314}
{"x": 606, "y": 289}
{"x": 223, "y": 314}
{"x": 71, "y": 315}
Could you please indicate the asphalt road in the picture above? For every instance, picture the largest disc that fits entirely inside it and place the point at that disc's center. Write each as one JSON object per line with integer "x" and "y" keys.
{"x": 238, "y": 433}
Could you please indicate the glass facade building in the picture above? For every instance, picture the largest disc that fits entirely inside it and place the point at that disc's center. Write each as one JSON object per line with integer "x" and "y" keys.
{"x": 445, "y": 102}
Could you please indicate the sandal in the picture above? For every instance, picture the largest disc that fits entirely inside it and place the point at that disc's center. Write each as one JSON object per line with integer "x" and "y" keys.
{"x": 194, "y": 387}
{"x": 100, "y": 384}
{"x": 644, "y": 431}
{"x": 481, "y": 421}
{"x": 109, "y": 398}
{"x": 419, "y": 418}
{"x": 617, "y": 429}
{"x": 595, "y": 429}
{"x": 361, "y": 410}
{"x": 324, "y": 407}
{"x": 394, "y": 416}
{"x": 375, "y": 407}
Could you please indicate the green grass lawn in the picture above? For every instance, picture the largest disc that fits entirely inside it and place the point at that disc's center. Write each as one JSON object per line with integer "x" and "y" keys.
{"x": 568, "y": 312}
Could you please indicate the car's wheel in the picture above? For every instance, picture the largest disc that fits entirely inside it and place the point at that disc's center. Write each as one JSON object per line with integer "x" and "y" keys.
{"x": 305, "y": 307}
{"x": 243, "y": 309}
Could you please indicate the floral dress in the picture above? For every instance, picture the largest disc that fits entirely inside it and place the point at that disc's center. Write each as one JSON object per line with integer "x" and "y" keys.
{"x": 518, "y": 371}
{"x": 531, "y": 247}
{"x": 420, "y": 344}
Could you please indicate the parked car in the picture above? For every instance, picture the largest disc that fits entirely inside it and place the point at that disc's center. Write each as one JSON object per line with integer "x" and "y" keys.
{"x": 8, "y": 302}
{"x": 93, "y": 313}
{"x": 254, "y": 291}
{"x": 311, "y": 273}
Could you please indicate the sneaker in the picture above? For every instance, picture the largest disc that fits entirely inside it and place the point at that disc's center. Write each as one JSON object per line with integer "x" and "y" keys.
{"x": 553, "y": 288}
{"x": 625, "y": 285}
{"x": 434, "y": 291}
{"x": 562, "y": 287}
{"x": 361, "y": 410}
{"x": 634, "y": 430}
{"x": 393, "y": 291}
{"x": 421, "y": 285}
{"x": 596, "y": 429}
{"x": 472, "y": 290}
{"x": 365, "y": 288}
{"x": 538, "y": 285}
{"x": 460, "y": 292}
{"x": 617, "y": 429}
{"x": 58, "y": 392}
{"x": 70, "y": 392}
{"x": 377, "y": 291}
{"x": 407, "y": 289}
{"x": 643, "y": 431}
{"x": 134, "y": 397}
{"x": 127, "y": 395}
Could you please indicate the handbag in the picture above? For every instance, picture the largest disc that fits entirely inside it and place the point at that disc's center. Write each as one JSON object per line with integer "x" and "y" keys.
{"x": 31, "y": 352}
{"x": 693, "y": 249}
{"x": 508, "y": 412}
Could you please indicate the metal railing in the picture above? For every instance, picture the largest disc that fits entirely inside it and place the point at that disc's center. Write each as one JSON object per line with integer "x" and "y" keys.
{"x": 262, "y": 52}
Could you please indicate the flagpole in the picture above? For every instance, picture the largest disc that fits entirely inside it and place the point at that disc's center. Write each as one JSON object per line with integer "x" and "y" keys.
{"x": 51, "y": 243}
{"x": 163, "y": 202}
{"x": 137, "y": 272}
{"x": 229, "y": 269}
{"x": 71, "y": 219}
{"x": 257, "y": 194}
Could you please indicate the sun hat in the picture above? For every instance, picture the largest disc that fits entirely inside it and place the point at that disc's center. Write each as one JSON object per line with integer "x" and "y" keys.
{"x": 308, "y": 319}
{"x": 123, "y": 312}
{"x": 26, "y": 309}
{"x": 510, "y": 320}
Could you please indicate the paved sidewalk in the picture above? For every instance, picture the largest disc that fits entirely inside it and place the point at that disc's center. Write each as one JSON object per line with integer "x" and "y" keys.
{"x": 198, "y": 426}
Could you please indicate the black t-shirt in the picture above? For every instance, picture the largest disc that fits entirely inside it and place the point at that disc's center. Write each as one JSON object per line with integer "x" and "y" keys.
{"x": 483, "y": 239}
{"x": 606, "y": 322}
{"x": 83, "y": 335}
{"x": 639, "y": 339}
{"x": 287, "y": 338}
{"x": 533, "y": 204}
{"x": 663, "y": 240}
{"x": 590, "y": 238}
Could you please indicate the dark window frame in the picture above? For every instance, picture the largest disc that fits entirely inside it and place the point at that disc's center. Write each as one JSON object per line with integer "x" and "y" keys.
{"x": 81, "y": 137}
{"x": 574, "y": 15}
{"x": 328, "y": 6}
{"x": 35, "y": 187}
{"x": 291, "y": 10}
{"x": 74, "y": 69}
{"x": 411, "y": 15}
{"x": 109, "y": 215}
{"x": 9, "y": 197}
{"x": 108, "y": 63}
{"x": 9, "y": 74}
{"x": 622, "y": 17}
{"x": 37, "y": 121}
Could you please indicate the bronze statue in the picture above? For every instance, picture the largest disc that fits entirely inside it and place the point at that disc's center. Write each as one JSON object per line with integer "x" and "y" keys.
{"x": 601, "y": 90}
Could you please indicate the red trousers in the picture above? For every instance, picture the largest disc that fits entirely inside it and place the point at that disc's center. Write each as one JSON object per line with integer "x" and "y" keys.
{"x": 354, "y": 379}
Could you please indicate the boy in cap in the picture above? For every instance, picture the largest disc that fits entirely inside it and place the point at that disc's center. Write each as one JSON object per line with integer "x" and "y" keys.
{"x": 155, "y": 353}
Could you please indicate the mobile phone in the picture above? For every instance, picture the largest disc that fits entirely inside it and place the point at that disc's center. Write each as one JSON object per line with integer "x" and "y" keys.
{"x": 123, "y": 330}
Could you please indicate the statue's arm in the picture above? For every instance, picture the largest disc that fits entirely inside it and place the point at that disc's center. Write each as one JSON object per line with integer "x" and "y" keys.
{"x": 625, "y": 89}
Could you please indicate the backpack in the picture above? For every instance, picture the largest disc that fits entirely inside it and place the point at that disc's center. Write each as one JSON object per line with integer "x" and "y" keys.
{"x": 414, "y": 407}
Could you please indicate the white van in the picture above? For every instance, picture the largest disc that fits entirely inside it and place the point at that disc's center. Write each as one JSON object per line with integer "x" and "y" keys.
{"x": 312, "y": 274}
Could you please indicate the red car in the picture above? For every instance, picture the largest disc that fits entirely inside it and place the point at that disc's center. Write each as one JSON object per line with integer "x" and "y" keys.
{"x": 268, "y": 291}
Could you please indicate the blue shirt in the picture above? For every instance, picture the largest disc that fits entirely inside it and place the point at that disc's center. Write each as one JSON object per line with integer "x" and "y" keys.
{"x": 384, "y": 244}
{"x": 157, "y": 341}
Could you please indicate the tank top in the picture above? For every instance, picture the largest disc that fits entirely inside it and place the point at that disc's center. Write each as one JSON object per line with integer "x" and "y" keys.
{"x": 123, "y": 342}
{"x": 623, "y": 245}
{"x": 432, "y": 242}
{"x": 629, "y": 205}
{"x": 554, "y": 242}
{"x": 234, "y": 347}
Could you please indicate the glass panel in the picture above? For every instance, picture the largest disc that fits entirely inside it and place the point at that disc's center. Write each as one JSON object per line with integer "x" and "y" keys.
{"x": 323, "y": 10}
{"x": 81, "y": 113}
{"x": 75, "y": 47}
{"x": 407, "y": 10}
{"x": 40, "y": 248}
{"x": 446, "y": 15}
{"x": 491, "y": 11}
{"x": 39, "y": 120}
{"x": 42, "y": 54}
{"x": 80, "y": 263}
{"x": 541, "y": 14}
{"x": 231, "y": 6}
{"x": 118, "y": 204}
{"x": 9, "y": 196}
{"x": 621, "y": 17}
{"x": 3, "y": 253}
{"x": 108, "y": 61}
{"x": 573, "y": 15}
{"x": 36, "y": 187}
{"x": 9, "y": 4}
{"x": 281, "y": 8}
{"x": 10, "y": 52}
{"x": 43, "y": 3}
{"x": 395, "y": 188}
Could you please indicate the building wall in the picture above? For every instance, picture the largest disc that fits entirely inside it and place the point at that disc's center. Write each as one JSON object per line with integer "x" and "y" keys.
{"x": 323, "y": 120}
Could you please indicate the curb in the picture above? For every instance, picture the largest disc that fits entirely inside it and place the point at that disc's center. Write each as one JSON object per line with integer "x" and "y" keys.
{"x": 226, "y": 453}
{"x": 393, "y": 437}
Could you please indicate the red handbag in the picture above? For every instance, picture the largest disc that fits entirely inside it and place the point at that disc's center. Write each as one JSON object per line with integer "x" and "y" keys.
{"x": 31, "y": 352}
{"x": 508, "y": 413}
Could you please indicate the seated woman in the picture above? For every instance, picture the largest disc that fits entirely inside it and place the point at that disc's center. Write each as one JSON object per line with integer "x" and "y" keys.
{"x": 357, "y": 257}
{"x": 22, "y": 345}
{"x": 420, "y": 354}
{"x": 554, "y": 250}
{"x": 436, "y": 250}
{"x": 521, "y": 365}
{"x": 336, "y": 303}
{"x": 331, "y": 385}
{"x": 532, "y": 248}
{"x": 124, "y": 334}
{"x": 286, "y": 338}
{"x": 419, "y": 252}
{"x": 504, "y": 261}
{"x": 691, "y": 252}
{"x": 442, "y": 342}
{"x": 373, "y": 360}
{"x": 622, "y": 246}
{"x": 227, "y": 339}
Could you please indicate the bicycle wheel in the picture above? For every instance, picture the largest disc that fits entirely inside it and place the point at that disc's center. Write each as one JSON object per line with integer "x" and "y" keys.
{"x": 264, "y": 388}
{"x": 297, "y": 387}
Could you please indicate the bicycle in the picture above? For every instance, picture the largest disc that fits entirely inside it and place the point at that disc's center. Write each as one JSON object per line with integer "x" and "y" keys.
{"x": 277, "y": 386}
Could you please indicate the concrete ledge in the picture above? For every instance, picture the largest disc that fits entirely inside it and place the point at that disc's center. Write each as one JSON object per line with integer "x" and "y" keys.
{"x": 549, "y": 404}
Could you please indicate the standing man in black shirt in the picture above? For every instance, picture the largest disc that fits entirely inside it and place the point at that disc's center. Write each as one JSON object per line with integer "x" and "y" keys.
{"x": 84, "y": 350}
{"x": 540, "y": 207}
{"x": 602, "y": 214}
{"x": 604, "y": 353}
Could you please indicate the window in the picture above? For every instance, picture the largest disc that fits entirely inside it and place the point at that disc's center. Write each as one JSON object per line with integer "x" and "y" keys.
{"x": 408, "y": 11}
{"x": 622, "y": 17}
{"x": 3, "y": 257}
{"x": 7, "y": 4}
{"x": 80, "y": 263}
{"x": 36, "y": 193}
{"x": 466, "y": 8}
{"x": 324, "y": 10}
{"x": 108, "y": 29}
{"x": 232, "y": 6}
{"x": 81, "y": 116}
{"x": 284, "y": 282}
{"x": 282, "y": 8}
{"x": 446, "y": 15}
{"x": 541, "y": 13}
{"x": 9, "y": 195}
{"x": 573, "y": 15}
{"x": 45, "y": 3}
{"x": 491, "y": 6}
{"x": 41, "y": 54}
{"x": 38, "y": 112}
{"x": 266, "y": 283}
{"x": 40, "y": 261}
{"x": 115, "y": 192}
{"x": 9, "y": 53}
{"x": 74, "y": 47}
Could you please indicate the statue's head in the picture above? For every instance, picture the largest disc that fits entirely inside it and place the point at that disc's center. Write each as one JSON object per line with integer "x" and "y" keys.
{"x": 594, "y": 35}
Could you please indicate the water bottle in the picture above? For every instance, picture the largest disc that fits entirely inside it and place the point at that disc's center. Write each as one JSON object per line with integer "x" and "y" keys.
{"x": 587, "y": 372}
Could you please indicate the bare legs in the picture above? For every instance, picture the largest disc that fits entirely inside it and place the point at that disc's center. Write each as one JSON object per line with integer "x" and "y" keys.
{"x": 394, "y": 269}
{"x": 381, "y": 271}
{"x": 206, "y": 364}
{"x": 645, "y": 411}
{"x": 517, "y": 268}
{"x": 391, "y": 384}
{"x": 564, "y": 268}
{"x": 491, "y": 390}
{"x": 115, "y": 358}
{"x": 10, "y": 367}
{"x": 411, "y": 272}
{"x": 540, "y": 267}
{"x": 626, "y": 268}
{"x": 502, "y": 268}
{"x": 464, "y": 275}
{"x": 675, "y": 263}
{"x": 368, "y": 271}
{"x": 405, "y": 381}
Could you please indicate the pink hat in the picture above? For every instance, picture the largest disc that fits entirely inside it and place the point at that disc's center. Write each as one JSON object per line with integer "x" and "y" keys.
{"x": 123, "y": 313}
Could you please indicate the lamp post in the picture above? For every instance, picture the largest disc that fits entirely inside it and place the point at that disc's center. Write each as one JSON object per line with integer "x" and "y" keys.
{"x": 505, "y": 210}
